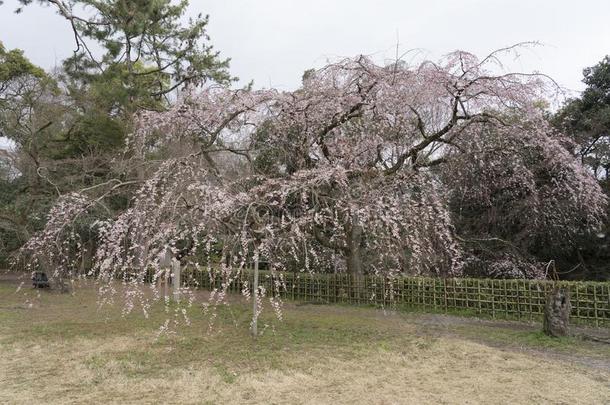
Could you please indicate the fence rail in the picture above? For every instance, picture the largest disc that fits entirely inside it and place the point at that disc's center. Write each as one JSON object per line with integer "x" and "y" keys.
{"x": 500, "y": 299}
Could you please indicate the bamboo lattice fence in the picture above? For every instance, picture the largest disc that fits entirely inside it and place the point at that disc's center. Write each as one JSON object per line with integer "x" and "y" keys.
{"x": 495, "y": 298}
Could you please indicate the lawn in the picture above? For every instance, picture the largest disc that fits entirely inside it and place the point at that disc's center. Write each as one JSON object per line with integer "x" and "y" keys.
{"x": 64, "y": 349}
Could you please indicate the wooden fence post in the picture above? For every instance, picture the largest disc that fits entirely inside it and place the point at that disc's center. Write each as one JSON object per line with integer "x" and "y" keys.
{"x": 254, "y": 329}
{"x": 176, "y": 279}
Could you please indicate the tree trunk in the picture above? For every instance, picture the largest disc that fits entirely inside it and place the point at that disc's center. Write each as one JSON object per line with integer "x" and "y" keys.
{"x": 557, "y": 312}
{"x": 353, "y": 249}
{"x": 354, "y": 261}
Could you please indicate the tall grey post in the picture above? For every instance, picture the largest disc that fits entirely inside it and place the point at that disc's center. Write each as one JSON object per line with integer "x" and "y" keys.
{"x": 176, "y": 279}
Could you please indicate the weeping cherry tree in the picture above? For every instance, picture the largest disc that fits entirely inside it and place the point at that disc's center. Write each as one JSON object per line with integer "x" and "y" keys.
{"x": 356, "y": 171}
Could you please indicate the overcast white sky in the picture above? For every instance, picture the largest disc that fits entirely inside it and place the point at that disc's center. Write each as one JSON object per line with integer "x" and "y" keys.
{"x": 273, "y": 41}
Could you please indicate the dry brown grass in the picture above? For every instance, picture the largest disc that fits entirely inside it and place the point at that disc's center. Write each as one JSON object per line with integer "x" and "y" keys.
{"x": 67, "y": 352}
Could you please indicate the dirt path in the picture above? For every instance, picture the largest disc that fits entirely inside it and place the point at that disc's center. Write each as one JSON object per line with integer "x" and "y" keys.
{"x": 499, "y": 335}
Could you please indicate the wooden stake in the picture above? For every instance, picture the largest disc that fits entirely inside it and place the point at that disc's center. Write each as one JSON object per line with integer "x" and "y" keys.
{"x": 254, "y": 297}
{"x": 176, "y": 279}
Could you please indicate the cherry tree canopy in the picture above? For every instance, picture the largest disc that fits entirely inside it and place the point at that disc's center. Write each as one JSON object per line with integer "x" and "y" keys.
{"x": 355, "y": 171}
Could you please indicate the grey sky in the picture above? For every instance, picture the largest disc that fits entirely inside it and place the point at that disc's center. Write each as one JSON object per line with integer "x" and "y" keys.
{"x": 273, "y": 41}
